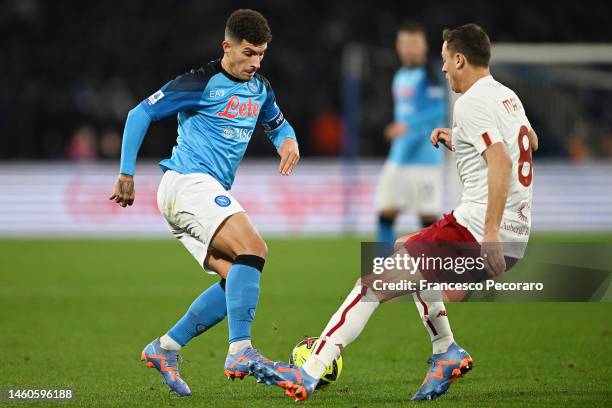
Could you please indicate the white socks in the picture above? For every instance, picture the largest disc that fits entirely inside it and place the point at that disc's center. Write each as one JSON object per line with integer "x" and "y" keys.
{"x": 350, "y": 319}
{"x": 343, "y": 328}
{"x": 237, "y": 346}
{"x": 435, "y": 319}
{"x": 168, "y": 343}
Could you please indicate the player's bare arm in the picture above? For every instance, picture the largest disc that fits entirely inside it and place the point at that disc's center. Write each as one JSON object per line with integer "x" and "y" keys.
{"x": 289, "y": 153}
{"x": 395, "y": 130}
{"x": 123, "y": 192}
{"x": 442, "y": 135}
{"x": 499, "y": 171}
{"x": 533, "y": 140}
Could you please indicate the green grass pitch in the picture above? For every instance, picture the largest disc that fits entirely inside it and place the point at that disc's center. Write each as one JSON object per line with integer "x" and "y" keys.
{"x": 77, "y": 313}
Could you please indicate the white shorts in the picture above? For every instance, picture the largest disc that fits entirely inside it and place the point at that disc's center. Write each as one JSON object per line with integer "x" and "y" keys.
{"x": 194, "y": 205}
{"x": 410, "y": 188}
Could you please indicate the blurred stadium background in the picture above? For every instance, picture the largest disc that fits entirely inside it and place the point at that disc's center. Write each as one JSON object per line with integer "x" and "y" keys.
{"x": 69, "y": 73}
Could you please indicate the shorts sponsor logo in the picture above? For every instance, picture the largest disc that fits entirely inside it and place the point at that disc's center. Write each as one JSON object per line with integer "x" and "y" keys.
{"x": 222, "y": 201}
{"x": 152, "y": 100}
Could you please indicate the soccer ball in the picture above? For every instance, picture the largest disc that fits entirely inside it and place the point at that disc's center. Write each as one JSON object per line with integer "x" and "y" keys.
{"x": 304, "y": 349}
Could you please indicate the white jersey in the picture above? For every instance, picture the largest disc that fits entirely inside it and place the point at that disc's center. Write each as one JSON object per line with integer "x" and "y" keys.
{"x": 489, "y": 113}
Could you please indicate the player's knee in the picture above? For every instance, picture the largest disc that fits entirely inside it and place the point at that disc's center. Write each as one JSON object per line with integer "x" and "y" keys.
{"x": 257, "y": 246}
{"x": 399, "y": 243}
{"x": 387, "y": 216}
{"x": 264, "y": 249}
{"x": 428, "y": 221}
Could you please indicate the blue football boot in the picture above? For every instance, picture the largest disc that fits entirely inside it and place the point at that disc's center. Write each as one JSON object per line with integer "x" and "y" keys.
{"x": 294, "y": 380}
{"x": 445, "y": 368}
{"x": 166, "y": 363}
{"x": 237, "y": 365}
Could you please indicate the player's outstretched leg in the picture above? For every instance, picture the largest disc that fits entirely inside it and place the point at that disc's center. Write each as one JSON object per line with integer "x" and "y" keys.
{"x": 343, "y": 328}
{"x": 207, "y": 310}
{"x": 445, "y": 368}
{"x": 166, "y": 362}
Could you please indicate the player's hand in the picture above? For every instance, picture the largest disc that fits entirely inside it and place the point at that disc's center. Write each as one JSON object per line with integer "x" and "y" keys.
{"x": 290, "y": 156}
{"x": 123, "y": 193}
{"x": 442, "y": 135}
{"x": 492, "y": 252}
{"x": 395, "y": 130}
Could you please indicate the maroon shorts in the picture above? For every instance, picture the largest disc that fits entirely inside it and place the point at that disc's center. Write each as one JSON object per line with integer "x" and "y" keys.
{"x": 445, "y": 230}
{"x": 446, "y": 239}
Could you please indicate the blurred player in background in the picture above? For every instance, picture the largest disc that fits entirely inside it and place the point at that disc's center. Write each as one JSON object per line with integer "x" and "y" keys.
{"x": 492, "y": 141}
{"x": 217, "y": 108}
{"x": 412, "y": 177}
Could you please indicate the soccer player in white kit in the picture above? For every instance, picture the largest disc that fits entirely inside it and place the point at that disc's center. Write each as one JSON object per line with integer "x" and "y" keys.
{"x": 492, "y": 142}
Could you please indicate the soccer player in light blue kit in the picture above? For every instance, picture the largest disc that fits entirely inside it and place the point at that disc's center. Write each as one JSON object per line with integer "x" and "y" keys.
{"x": 411, "y": 178}
{"x": 217, "y": 108}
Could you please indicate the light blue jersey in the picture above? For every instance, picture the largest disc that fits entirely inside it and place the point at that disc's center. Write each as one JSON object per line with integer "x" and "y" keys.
{"x": 216, "y": 115}
{"x": 421, "y": 106}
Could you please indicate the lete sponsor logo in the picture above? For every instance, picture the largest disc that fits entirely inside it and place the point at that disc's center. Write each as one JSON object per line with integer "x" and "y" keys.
{"x": 235, "y": 108}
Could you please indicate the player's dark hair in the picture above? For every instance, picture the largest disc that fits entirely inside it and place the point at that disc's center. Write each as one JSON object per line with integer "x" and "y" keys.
{"x": 413, "y": 27}
{"x": 471, "y": 41}
{"x": 250, "y": 25}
